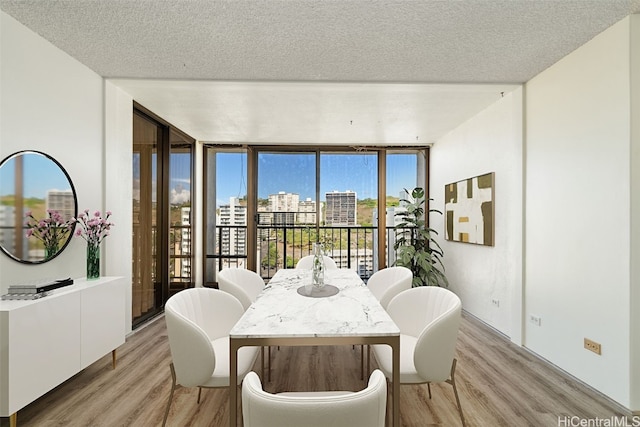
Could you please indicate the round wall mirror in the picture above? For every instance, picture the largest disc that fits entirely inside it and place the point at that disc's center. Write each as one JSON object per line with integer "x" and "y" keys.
{"x": 37, "y": 206}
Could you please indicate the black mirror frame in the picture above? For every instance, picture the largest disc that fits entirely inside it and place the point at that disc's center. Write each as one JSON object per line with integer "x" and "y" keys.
{"x": 75, "y": 201}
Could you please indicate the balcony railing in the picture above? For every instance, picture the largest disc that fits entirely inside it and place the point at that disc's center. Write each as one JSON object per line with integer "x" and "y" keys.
{"x": 281, "y": 246}
{"x": 350, "y": 247}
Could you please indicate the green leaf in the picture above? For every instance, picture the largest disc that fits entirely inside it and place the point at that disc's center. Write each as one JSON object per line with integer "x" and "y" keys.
{"x": 415, "y": 244}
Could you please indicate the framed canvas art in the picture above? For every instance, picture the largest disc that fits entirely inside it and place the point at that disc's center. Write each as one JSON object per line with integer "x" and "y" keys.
{"x": 469, "y": 210}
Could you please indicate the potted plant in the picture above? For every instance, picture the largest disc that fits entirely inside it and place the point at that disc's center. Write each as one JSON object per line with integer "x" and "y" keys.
{"x": 416, "y": 247}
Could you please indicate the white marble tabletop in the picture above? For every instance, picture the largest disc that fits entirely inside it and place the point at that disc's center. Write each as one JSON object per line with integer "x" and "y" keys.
{"x": 279, "y": 311}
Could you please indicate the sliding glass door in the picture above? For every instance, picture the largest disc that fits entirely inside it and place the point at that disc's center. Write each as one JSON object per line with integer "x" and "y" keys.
{"x": 349, "y": 196}
{"x": 162, "y": 247}
{"x": 288, "y": 215}
{"x": 322, "y": 196}
{"x": 224, "y": 210}
{"x": 146, "y": 286}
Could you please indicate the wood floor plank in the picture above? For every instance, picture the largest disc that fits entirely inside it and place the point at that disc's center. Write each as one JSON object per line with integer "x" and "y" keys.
{"x": 500, "y": 384}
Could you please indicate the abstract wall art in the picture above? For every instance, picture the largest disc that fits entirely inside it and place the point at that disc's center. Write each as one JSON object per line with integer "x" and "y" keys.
{"x": 469, "y": 207}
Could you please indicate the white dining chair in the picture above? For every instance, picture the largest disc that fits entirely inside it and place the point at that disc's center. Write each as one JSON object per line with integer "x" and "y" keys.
{"x": 198, "y": 324}
{"x": 428, "y": 318}
{"x": 306, "y": 263}
{"x": 241, "y": 283}
{"x": 364, "y": 408}
{"x": 385, "y": 284}
{"x": 245, "y": 285}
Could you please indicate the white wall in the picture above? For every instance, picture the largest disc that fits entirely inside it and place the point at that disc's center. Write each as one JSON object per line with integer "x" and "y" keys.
{"x": 489, "y": 142}
{"x": 577, "y": 228}
{"x": 118, "y": 193}
{"x": 52, "y": 103}
{"x": 575, "y": 174}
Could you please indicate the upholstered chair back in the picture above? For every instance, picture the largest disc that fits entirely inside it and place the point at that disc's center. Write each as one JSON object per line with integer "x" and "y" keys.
{"x": 432, "y": 315}
{"x": 389, "y": 282}
{"x": 242, "y": 283}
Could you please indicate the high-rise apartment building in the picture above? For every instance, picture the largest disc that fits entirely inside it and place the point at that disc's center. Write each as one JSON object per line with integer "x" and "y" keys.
{"x": 393, "y": 219}
{"x": 307, "y": 212}
{"x": 185, "y": 240}
{"x": 284, "y": 202}
{"x": 7, "y": 228}
{"x": 284, "y": 207}
{"x": 341, "y": 208}
{"x": 232, "y": 237}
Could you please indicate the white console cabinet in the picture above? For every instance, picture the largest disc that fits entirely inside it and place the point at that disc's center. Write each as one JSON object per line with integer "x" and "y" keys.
{"x": 46, "y": 341}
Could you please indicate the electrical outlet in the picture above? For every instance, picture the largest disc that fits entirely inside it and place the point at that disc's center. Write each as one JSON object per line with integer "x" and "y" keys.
{"x": 495, "y": 302}
{"x": 536, "y": 320}
{"x": 592, "y": 346}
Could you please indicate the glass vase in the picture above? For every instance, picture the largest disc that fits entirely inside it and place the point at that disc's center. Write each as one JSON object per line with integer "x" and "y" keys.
{"x": 317, "y": 271}
{"x": 93, "y": 261}
{"x": 51, "y": 250}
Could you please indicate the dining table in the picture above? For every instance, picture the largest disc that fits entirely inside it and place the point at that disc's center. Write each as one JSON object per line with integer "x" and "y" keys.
{"x": 290, "y": 311}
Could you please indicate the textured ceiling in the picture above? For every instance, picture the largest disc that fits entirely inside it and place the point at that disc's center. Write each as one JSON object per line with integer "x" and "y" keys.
{"x": 354, "y": 41}
{"x": 428, "y": 41}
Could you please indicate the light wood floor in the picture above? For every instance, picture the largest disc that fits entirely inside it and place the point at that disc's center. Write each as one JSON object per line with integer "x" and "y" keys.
{"x": 500, "y": 385}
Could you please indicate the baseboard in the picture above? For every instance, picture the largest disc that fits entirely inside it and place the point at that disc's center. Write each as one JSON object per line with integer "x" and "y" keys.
{"x": 621, "y": 408}
{"x": 146, "y": 323}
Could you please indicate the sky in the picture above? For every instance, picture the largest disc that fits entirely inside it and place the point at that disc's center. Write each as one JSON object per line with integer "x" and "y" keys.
{"x": 40, "y": 175}
{"x": 291, "y": 173}
{"x": 295, "y": 173}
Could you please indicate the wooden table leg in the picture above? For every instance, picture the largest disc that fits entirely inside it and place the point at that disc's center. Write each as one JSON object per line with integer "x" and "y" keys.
{"x": 113, "y": 358}
{"x": 13, "y": 420}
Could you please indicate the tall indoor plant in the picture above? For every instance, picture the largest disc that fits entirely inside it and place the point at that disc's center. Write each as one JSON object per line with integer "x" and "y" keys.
{"x": 416, "y": 247}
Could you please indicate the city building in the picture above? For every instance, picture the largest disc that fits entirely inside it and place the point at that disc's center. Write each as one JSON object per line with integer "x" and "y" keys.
{"x": 283, "y": 207}
{"x": 341, "y": 208}
{"x": 7, "y": 228}
{"x": 62, "y": 201}
{"x": 185, "y": 241}
{"x": 392, "y": 220}
{"x": 231, "y": 237}
{"x": 307, "y": 211}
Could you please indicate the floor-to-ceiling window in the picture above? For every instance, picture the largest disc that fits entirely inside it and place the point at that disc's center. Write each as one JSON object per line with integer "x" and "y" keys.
{"x": 349, "y": 196}
{"x": 300, "y": 196}
{"x": 180, "y": 212}
{"x": 162, "y": 248}
{"x": 146, "y": 276}
{"x": 288, "y": 214}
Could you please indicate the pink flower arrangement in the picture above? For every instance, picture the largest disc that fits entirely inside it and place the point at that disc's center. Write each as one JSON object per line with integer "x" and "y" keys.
{"x": 51, "y": 230}
{"x": 94, "y": 228}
